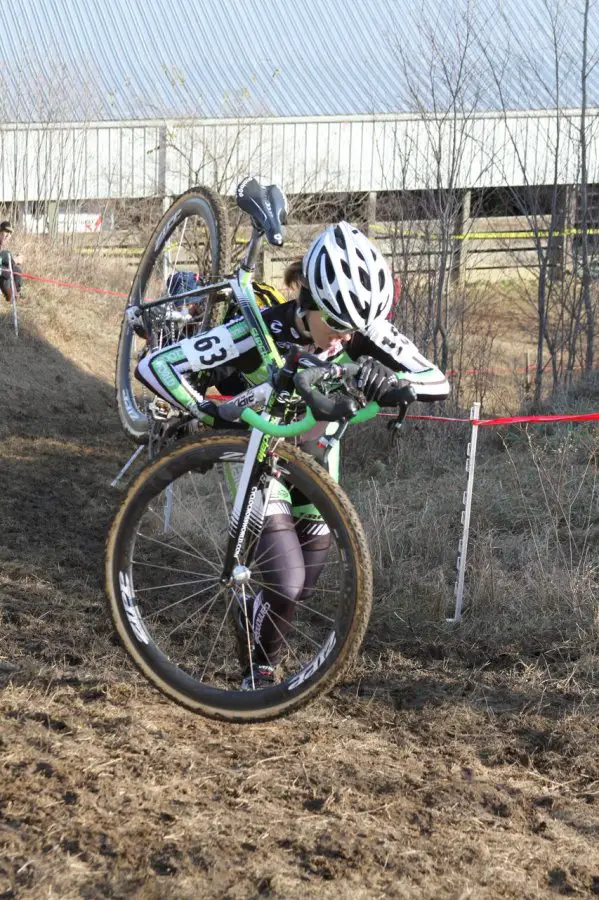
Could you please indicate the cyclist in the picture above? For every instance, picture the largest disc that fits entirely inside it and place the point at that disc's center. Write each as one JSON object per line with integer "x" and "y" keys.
{"x": 345, "y": 295}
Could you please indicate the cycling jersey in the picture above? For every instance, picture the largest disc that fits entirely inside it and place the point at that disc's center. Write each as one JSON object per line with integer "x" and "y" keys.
{"x": 171, "y": 372}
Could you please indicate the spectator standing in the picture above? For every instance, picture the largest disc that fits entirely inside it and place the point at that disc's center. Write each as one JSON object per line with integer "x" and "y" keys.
{"x": 10, "y": 270}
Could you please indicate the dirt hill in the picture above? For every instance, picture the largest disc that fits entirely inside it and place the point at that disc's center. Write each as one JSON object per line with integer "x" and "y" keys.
{"x": 456, "y": 764}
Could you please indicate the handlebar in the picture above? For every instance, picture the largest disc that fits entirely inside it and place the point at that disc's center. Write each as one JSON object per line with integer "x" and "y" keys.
{"x": 327, "y": 408}
{"x": 294, "y": 429}
{"x": 345, "y": 406}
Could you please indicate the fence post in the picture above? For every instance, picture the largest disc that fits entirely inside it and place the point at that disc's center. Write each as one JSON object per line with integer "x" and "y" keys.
{"x": 370, "y": 212}
{"x": 467, "y": 503}
{"x": 162, "y": 149}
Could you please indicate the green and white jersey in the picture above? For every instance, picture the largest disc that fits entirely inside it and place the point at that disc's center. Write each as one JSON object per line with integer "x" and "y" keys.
{"x": 230, "y": 349}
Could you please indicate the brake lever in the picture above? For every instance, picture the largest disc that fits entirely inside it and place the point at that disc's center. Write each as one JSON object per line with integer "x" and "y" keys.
{"x": 395, "y": 426}
{"x": 328, "y": 441}
{"x": 350, "y": 384}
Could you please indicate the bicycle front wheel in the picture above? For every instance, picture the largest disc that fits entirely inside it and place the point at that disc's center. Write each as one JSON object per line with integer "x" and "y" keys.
{"x": 191, "y": 634}
{"x": 190, "y": 242}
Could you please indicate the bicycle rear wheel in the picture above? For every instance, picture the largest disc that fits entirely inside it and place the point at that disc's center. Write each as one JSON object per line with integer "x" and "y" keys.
{"x": 183, "y": 628}
{"x": 189, "y": 243}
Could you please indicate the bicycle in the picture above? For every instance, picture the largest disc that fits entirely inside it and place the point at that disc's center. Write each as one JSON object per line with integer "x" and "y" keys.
{"x": 182, "y": 570}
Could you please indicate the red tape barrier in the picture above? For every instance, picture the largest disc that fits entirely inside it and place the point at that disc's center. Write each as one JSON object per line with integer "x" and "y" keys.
{"x": 508, "y": 420}
{"x": 517, "y": 420}
{"x": 70, "y": 284}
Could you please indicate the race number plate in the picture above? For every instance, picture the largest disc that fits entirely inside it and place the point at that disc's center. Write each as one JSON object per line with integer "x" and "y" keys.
{"x": 211, "y": 349}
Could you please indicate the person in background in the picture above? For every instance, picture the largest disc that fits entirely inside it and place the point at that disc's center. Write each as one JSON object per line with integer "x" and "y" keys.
{"x": 9, "y": 262}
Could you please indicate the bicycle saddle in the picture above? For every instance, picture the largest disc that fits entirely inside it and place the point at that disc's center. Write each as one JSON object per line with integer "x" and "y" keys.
{"x": 266, "y": 206}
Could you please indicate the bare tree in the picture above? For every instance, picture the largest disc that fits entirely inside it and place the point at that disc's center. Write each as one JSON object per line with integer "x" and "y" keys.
{"x": 444, "y": 91}
{"x": 589, "y": 308}
{"x": 563, "y": 310}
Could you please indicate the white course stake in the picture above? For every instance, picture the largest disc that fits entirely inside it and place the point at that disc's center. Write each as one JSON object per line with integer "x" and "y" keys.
{"x": 168, "y": 508}
{"x": 467, "y": 502}
{"x": 127, "y": 464}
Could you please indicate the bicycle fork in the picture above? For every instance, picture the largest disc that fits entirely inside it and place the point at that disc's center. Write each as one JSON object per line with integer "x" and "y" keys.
{"x": 246, "y": 513}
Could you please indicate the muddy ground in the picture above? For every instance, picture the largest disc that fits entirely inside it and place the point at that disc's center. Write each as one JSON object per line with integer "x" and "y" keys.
{"x": 437, "y": 772}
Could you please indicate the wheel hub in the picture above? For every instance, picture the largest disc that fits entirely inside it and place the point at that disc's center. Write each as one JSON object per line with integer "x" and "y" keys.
{"x": 240, "y": 575}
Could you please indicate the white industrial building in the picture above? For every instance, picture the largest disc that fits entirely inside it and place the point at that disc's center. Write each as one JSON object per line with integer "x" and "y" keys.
{"x": 358, "y": 153}
{"x": 115, "y": 100}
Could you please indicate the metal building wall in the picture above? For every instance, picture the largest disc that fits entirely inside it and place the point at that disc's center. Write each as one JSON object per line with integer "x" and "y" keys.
{"x": 121, "y": 59}
{"x": 360, "y": 153}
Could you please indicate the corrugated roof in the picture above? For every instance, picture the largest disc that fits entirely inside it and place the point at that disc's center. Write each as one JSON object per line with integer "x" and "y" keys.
{"x": 123, "y": 59}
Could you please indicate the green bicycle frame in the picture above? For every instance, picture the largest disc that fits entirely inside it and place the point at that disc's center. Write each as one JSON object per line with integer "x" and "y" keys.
{"x": 271, "y": 358}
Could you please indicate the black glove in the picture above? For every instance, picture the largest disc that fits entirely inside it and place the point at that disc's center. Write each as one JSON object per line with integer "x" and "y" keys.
{"x": 374, "y": 379}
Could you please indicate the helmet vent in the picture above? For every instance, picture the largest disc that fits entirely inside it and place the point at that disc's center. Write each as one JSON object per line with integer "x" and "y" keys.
{"x": 365, "y": 279}
{"x": 329, "y": 269}
{"x": 346, "y": 269}
{"x": 381, "y": 279}
{"x": 340, "y": 238}
{"x": 317, "y": 272}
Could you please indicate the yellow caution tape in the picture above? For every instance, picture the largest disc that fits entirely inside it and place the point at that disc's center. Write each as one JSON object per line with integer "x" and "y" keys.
{"x": 493, "y": 235}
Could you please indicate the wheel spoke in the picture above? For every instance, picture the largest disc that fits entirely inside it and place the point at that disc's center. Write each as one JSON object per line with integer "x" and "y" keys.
{"x": 301, "y": 604}
{"x": 207, "y": 606}
{"x": 175, "y": 532}
{"x": 284, "y": 641}
{"x": 147, "y": 565}
{"x": 163, "y": 609}
{"x": 199, "y": 556}
{"x": 224, "y": 619}
{"x": 164, "y": 587}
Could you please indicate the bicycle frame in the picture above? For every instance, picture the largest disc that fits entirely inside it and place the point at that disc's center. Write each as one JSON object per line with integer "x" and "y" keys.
{"x": 263, "y": 429}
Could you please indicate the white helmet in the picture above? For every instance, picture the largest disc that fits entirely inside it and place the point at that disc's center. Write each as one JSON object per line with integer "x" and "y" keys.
{"x": 348, "y": 277}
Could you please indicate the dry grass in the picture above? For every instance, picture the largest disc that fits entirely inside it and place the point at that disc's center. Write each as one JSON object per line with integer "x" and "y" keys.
{"x": 532, "y": 577}
{"x": 61, "y": 366}
{"x": 459, "y": 763}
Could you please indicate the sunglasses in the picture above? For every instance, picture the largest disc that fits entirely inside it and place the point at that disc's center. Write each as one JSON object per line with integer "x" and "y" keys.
{"x": 309, "y": 304}
{"x": 334, "y": 325}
